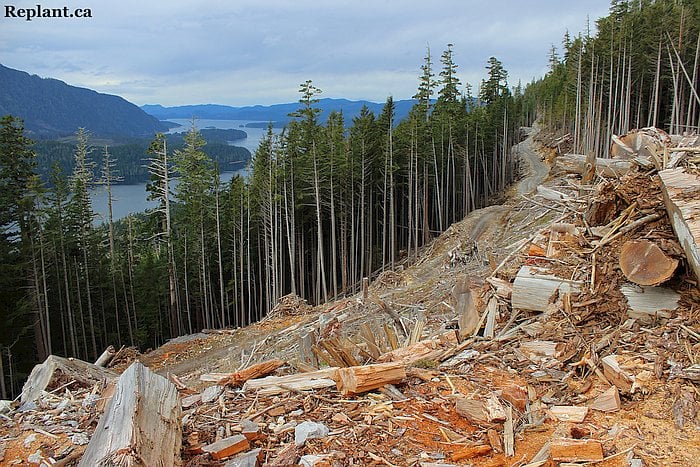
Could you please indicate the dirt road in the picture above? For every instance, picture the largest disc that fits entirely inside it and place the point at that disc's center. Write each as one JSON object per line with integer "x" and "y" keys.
{"x": 536, "y": 170}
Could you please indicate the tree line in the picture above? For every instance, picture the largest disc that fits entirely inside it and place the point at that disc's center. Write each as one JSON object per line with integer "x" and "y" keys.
{"x": 323, "y": 206}
{"x": 640, "y": 69}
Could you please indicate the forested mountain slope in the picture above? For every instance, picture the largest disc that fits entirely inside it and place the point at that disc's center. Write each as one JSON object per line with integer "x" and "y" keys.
{"x": 52, "y": 109}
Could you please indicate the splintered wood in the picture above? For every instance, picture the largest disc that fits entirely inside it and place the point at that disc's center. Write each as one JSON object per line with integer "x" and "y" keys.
{"x": 141, "y": 424}
{"x": 359, "y": 379}
{"x": 576, "y": 450}
{"x": 239, "y": 377}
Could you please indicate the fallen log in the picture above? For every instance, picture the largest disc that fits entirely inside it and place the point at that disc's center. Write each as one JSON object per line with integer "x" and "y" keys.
{"x": 642, "y": 262}
{"x": 532, "y": 290}
{"x": 359, "y": 379}
{"x": 576, "y": 163}
{"x": 299, "y": 382}
{"x": 56, "y": 368}
{"x": 141, "y": 424}
{"x": 681, "y": 192}
{"x": 239, "y": 377}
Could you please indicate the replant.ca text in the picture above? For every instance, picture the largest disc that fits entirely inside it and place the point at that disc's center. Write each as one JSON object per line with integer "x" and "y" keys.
{"x": 40, "y": 12}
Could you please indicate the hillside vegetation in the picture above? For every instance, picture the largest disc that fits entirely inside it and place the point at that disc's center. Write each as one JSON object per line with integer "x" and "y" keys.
{"x": 52, "y": 109}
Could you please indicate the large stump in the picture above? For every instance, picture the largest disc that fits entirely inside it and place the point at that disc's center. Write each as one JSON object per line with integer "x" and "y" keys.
{"x": 141, "y": 424}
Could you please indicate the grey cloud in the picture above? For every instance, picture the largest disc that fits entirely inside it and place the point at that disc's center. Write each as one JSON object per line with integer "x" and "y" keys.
{"x": 248, "y": 52}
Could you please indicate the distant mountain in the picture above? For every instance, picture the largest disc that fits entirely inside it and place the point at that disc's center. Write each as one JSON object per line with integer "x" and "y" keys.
{"x": 52, "y": 109}
{"x": 278, "y": 113}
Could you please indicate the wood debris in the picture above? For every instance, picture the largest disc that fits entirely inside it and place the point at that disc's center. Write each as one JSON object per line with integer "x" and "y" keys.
{"x": 557, "y": 357}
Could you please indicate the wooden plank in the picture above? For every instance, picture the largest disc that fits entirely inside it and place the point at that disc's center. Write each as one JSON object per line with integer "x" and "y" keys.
{"x": 509, "y": 433}
{"x": 533, "y": 289}
{"x": 57, "y": 368}
{"x": 141, "y": 424}
{"x": 681, "y": 192}
{"x": 227, "y": 447}
{"x": 491, "y": 312}
{"x": 359, "y": 379}
{"x": 576, "y": 450}
{"x": 299, "y": 382}
{"x": 646, "y": 302}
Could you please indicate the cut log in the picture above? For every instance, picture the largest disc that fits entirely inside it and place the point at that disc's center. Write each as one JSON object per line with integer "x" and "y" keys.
{"x": 359, "y": 379}
{"x": 299, "y": 382}
{"x": 576, "y": 450}
{"x": 615, "y": 374}
{"x": 106, "y": 356}
{"x": 576, "y": 163}
{"x": 532, "y": 289}
{"x": 227, "y": 447}
{"x": 609, "y": 401}
{"x": 644, "y": 263}
{"x": 45, "y": 375}
{"x": 650, "y": 302}
{"x": 141, "y": 424}
{"x": 472, "y": 409}
{"x": 681, "y": 192}
{"x": 569, "y": 413}
{"x": 239, "y": 377}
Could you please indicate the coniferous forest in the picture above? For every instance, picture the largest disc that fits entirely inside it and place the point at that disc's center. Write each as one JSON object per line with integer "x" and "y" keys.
{"x": 323, "y": 206}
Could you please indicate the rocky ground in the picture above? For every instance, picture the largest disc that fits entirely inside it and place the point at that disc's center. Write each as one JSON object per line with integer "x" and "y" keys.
{"x": 521, "y": 387}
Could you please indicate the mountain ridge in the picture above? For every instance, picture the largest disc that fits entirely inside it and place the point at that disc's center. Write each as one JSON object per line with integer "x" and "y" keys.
{"x": 278, "y": 113}
{"x": 52, "y": 108}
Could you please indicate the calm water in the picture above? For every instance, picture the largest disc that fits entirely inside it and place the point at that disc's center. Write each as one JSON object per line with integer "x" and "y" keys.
{"x": 127, "y": 199}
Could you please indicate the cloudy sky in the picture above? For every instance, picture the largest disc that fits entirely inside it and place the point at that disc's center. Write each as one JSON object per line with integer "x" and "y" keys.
{"x": 245, "y": 52}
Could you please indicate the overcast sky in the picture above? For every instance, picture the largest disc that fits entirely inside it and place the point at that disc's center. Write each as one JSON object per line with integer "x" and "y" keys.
{"x": 245, "y": 52}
